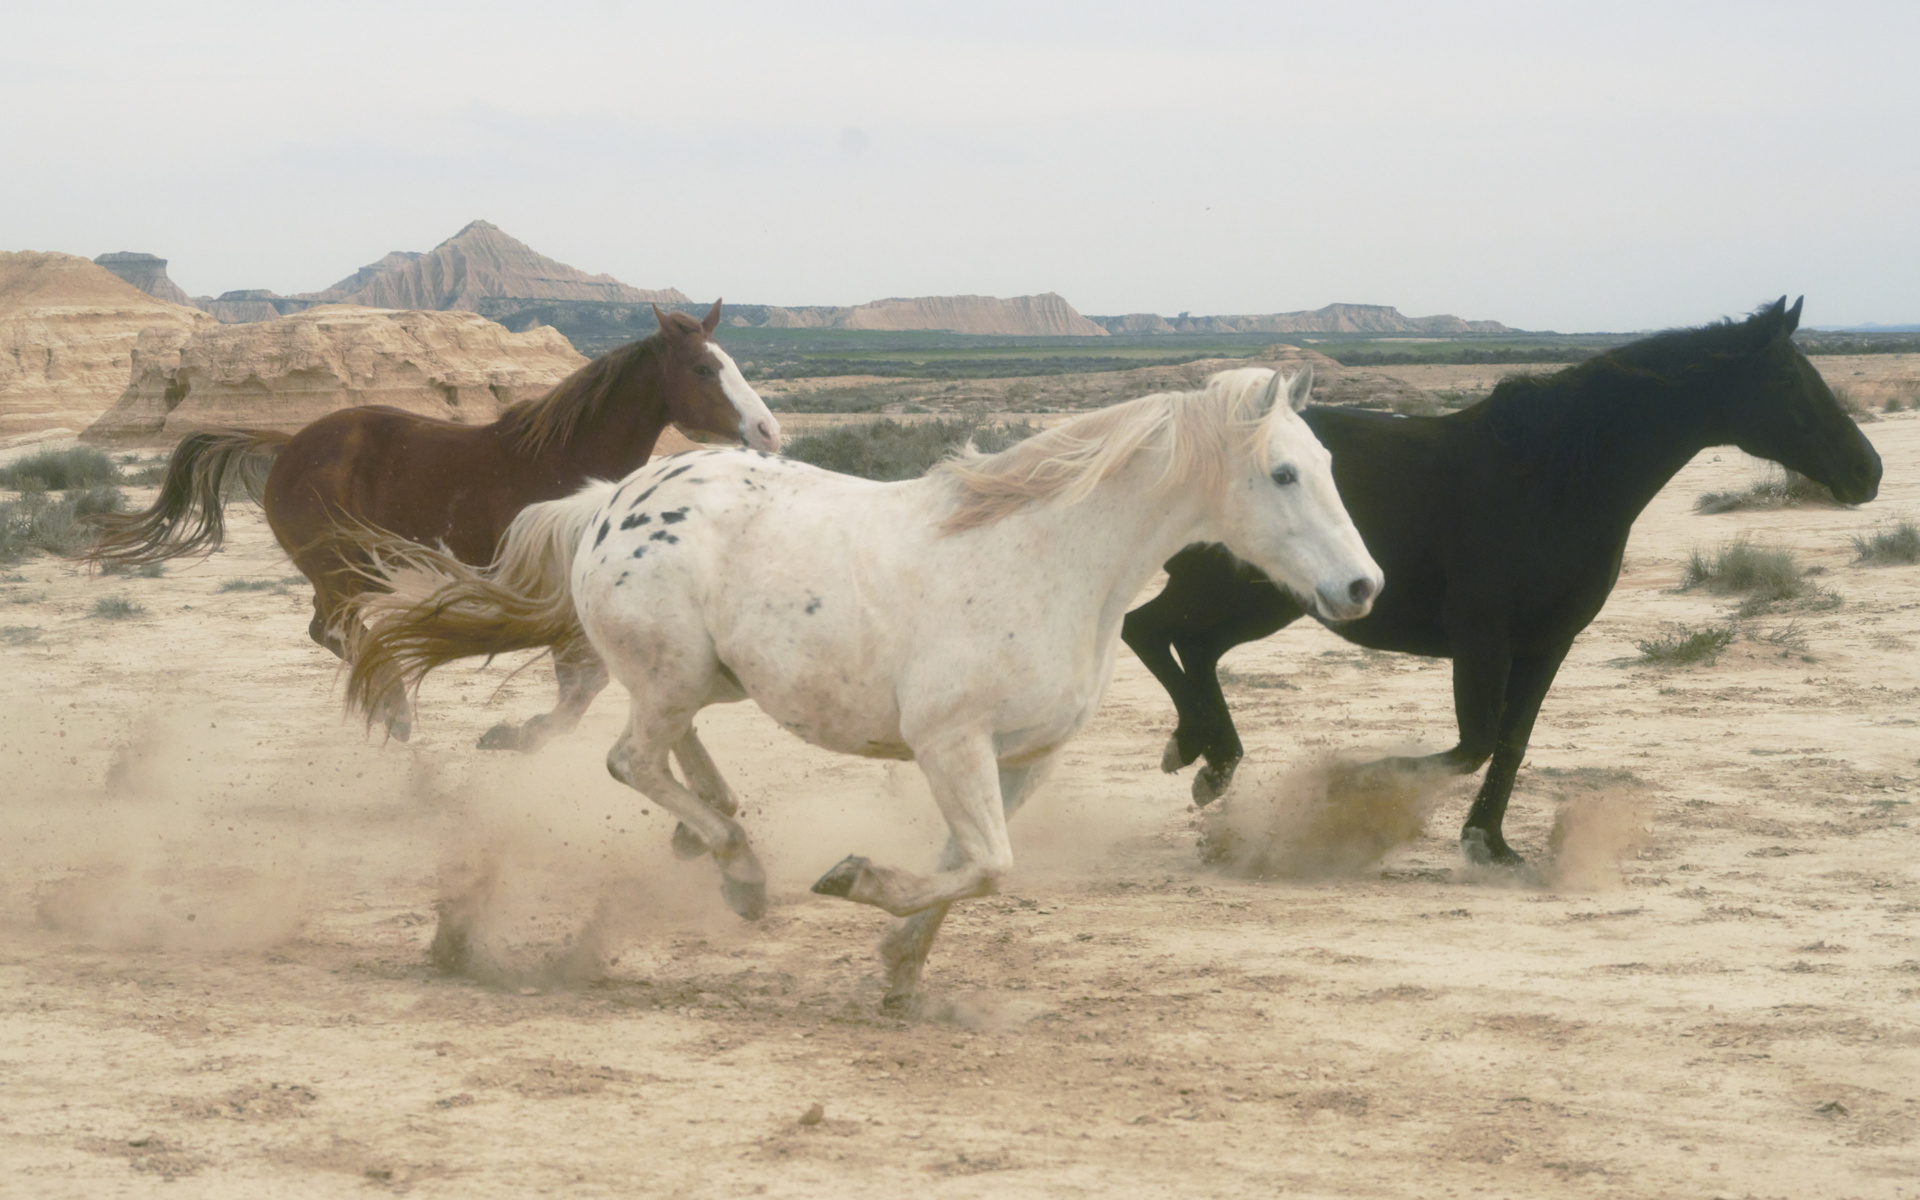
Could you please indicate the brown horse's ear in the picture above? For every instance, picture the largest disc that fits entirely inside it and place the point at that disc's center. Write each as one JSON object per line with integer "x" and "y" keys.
{"x": 712, "y": 321}
{"x": 1793, "y": 316}
{"x": 659, "y": 318}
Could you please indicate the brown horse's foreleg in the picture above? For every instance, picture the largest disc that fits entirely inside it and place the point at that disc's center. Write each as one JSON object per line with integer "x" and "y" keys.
{"x": 581, "y": 676}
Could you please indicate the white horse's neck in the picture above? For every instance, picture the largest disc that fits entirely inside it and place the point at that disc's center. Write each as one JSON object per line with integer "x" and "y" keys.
{"x": 1104, "y": 549}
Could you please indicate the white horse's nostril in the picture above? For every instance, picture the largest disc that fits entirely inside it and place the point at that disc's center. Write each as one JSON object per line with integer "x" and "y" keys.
{"x": 1361, "y": 590}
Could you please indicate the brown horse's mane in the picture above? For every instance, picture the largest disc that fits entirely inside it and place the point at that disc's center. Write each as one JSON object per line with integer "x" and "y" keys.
{"x": 553, "y": 419}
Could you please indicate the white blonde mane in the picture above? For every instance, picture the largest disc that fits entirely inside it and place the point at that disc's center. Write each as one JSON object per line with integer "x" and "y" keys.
{"x": 1202, "y": 435}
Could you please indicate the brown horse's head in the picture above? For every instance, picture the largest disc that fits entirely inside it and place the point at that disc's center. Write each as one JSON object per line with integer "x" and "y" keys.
{"x": 707, "y": 397}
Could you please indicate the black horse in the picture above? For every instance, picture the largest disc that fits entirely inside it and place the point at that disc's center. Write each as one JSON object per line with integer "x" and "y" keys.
{"x": 1500, "y": 529}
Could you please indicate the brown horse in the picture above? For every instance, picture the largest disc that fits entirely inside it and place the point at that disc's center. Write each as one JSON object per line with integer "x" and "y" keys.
{"x": 440, "y": 483}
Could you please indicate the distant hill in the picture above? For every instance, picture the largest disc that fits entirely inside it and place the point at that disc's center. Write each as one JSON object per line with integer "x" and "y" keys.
{"x": 148, "y": 272}
{"x": 1334, "y": 318}
{"x": 480, "y": 263}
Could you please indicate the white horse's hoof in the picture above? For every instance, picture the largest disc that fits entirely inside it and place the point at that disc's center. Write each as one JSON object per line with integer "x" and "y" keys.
{"x": 839, "y": 881}
{"x": 747, "y": 900}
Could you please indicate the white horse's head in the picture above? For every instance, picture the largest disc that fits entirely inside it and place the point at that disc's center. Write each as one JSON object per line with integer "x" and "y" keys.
{"x": 1281, "y": 512}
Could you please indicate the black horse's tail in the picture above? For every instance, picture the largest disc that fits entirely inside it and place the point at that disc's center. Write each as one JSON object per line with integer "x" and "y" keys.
{"x": 188, "y": 517}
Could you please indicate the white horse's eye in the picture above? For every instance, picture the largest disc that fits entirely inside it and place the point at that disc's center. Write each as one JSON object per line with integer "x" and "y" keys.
{"x": 1284, "y": 476}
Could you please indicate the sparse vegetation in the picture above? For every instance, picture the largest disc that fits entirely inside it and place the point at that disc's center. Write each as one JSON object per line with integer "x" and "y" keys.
{"x": 37, "y": 521}
{"x": 886, "y": 449}
{"x": 18, "y": 635}
{"x": 152, "y": 570}
{"x": 1767, "y": 576}
{"x": 1898, "y": 545}
{"x": 116, "y": 608}
{"x": 150, "y": 475}
{"x": 58, "y": 470}
{"x": 1264, "y": 680}
{"x": 253, "y": 585}
{"x": 1789, "y": 489}
{"x": 1686, "y": 646}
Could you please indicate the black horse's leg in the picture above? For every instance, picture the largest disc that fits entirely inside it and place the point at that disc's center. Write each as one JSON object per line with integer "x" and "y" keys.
{"x": 1527, "y": 683}
{"x": 1211, "y": 716}
{"x": 1148, "y": 632}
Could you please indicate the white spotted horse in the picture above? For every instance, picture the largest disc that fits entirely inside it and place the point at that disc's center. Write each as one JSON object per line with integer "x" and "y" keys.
{"x": 968, "y": 620}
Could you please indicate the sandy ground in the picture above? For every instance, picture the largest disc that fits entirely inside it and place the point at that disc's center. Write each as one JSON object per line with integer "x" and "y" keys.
{"x": 217, "y": 897}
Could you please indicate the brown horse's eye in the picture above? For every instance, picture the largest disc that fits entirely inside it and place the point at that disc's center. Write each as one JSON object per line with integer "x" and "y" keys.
{"x": 703, "y": 370}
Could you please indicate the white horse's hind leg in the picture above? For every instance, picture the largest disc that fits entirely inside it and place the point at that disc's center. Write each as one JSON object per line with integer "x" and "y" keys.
{"x": 903, "y": 952}
{"x": 639, "y": 760}
{"x": 704, "y": 778}
{"x": 966, "y": 785}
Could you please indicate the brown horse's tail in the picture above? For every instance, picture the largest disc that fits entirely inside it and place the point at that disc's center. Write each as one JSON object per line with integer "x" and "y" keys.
{"x": 436, "y": 608}
{"x": 189, "y": 515}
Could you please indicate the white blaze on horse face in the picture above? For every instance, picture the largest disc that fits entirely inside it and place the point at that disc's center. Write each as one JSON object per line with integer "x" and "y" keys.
{"x": 1296, "y": 530}
{"x": 757, "y": 426}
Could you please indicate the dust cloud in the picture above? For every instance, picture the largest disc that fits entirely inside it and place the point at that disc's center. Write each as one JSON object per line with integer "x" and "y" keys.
{"x": 1593, "y": 833}
{"x": 1328, "y": 818}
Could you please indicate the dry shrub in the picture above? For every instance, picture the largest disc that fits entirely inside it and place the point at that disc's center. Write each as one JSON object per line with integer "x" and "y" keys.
{"x": 1592, "y": 834}
{"x": 1327, "y": 819}
{"x": 1789, "y": 489}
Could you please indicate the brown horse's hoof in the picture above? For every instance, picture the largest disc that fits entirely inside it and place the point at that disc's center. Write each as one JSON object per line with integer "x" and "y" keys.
{"x": 748, "y": 900}
{"x": 839, "y": 881}
{"x": 501, "y": 737}
{"x": 687, "y": 843}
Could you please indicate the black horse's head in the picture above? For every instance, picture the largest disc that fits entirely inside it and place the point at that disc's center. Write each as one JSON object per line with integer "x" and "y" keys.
{"x": 1783, "y": 410}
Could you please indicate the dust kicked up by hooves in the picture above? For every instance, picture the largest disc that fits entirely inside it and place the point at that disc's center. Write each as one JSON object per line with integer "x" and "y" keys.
{"x": 1334, "y": 818}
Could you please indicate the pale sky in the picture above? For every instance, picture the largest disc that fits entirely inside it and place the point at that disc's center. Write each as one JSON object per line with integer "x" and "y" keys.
{"x": 1612, "y": 166}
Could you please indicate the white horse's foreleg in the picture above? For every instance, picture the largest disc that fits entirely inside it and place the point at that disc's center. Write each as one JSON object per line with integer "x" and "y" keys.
{"x": 639, "y": 760}
{"x": 903, "y": 952}
{"x": 966, "y": 785}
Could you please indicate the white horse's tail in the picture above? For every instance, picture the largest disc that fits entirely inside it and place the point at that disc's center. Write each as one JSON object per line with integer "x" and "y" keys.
{"x": 438, "y": 609}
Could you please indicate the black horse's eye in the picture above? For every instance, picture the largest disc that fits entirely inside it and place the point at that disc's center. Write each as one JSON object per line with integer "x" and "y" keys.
{"x": 1285, "y": 476}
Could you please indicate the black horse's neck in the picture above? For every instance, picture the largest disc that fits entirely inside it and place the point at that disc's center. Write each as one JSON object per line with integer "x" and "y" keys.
{"x": 1607, "y": 435}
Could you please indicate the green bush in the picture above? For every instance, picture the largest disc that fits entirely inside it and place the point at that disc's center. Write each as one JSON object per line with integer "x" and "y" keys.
{"x": 59, "y": 470}
{"x": 1901, "y": 544}
{"x": 37, "y": 521}
{"x": 1767, "y": 577}
{"x": 116, "y": 608}
{"x": 886, "y": 449}
{"x": 1686, "y": 646}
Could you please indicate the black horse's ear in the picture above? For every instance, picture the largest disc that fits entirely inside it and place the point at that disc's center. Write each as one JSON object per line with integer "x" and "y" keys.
{"x": 1793, "y": 316}
{"x": 712, "y": 321}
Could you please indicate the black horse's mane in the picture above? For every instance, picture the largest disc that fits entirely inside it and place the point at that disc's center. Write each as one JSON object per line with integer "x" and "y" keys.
{"x": 1552, "y": 419}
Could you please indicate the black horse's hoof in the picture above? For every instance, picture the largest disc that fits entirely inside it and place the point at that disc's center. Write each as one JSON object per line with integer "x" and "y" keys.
{"x": 1212, "y": 782}
{"x": 501, "y": 737}
{"x": 839, "y": 881}
{"x": 687, "y": 843}
{"x": 1171, "y": 760}
{"x": 747, "y": 900}
{"x": 1482, "y": 851}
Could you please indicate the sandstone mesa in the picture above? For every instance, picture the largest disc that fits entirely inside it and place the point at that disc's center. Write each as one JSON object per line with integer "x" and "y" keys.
{"x": 287, "y": 373}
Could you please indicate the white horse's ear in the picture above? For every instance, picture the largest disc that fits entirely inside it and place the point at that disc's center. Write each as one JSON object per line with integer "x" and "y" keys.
{"x": 1298, "y": 389}
{"x": 1269, "y": 395}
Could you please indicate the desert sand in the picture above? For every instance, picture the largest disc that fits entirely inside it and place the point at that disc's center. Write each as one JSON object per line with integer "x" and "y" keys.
{"x": 218, "y": 895}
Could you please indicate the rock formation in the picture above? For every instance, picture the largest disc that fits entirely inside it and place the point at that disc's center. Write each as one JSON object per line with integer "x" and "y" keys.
{"x": 1334, "y": 318}
{"x": 148, "y": 272}
{"x": 1045, "y": 315}
{"x": 476, "y": 263}
{"x": 67, "y": 334}
{"x": 252, "y": 304}
{"x": 286, "y": 373}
